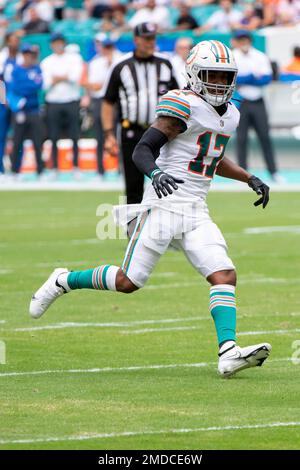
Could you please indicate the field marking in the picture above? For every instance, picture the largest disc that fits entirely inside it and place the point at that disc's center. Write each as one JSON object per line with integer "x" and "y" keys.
{"x": 155, "y": 330}
{"x": 258, "y": 280}
{"x": 175, "y": 285}
{"x": 87, "y": 241}
{"x": 121, "y": 369}
{"x": 63, "y": 325}
{"x": 105, "y": 369}
{"x": 186, "y": 328}
{"x": 121, "y": 324}
{"x": 90, "y": 436}
{"x": 274, "y": 229}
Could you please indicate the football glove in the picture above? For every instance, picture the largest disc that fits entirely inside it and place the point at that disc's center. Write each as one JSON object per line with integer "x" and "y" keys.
{"x": 162, "y": 183}
{"x": 261, "y": 189}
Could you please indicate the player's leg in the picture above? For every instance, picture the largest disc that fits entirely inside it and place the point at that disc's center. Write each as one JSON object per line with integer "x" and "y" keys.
{"x": 54, "y": 120}
{"x": 139, "y": 261}
{"x": 19, "y": 129}
{"x": 262, "y": 129}
{"x": 242, "y": 135}
{"x": 72, "y": 114}
{"x": 206, "y": 249}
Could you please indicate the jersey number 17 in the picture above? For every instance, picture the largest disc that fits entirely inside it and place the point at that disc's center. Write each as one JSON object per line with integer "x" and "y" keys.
{"x": 208, "y": 144}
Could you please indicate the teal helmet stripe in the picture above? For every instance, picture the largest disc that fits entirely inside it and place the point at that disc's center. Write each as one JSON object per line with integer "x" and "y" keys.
{"x": 227, "y": 53}
{"x": 215, "y": 50}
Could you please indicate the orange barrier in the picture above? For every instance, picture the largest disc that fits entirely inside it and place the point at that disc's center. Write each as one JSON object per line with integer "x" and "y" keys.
{"x": 87, "y": 159}
{"x": 65, "y": 154}
{"x": 28, "y": 160}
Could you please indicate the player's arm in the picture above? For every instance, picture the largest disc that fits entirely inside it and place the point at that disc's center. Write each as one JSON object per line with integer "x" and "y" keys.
{"x": 164, "y": 129}
{"x": 229, "y": 169}
{"x": 110, "y": 98}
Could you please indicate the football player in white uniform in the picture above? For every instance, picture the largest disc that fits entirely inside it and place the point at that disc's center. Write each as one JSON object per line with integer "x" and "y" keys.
{"x": 181, "y": 152}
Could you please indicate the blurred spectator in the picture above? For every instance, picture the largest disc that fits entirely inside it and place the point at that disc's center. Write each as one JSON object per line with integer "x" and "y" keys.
{"x": 96, "y": 8}
{"x": 3, "y": 19}
{"x": 58, "y": 9}
{"x": 75, "y": 9}
{"x": 35, "y": 25}
{"x": 284, "y": 12}
{"x": 251, "y": 20}
{"x": 107, "y": 24}
{"x": 182, "y": 50}
{"x": 73, "y": 51}
{"x": 269, "y": 7}
{"x": 288, "y": 12}
{"x": 119, "y": 20}
{"x": 254, "y": 73}
{"x": 114, "y": 21}
{"x": 22, "y": 7}
{"x": 291, "y": 71}
{"x": 62, "y": 76}
{"x": 9, "y": 57}
{"x": 27, "y": 122}
{"x": 222, "y": 20}
{"x": 106, "y": 55}
{"x": 186, "y": 21}
{"x": 152, "y": 13}
{"x": 44, "y": 9}
{"x": 136, "y": 4}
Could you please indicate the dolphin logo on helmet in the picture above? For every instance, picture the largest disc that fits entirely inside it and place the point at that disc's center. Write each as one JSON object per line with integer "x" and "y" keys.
{"x": 207, "y": 57}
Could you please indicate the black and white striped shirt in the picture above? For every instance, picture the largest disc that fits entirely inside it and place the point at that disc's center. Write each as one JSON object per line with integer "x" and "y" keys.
{"x": 136, "y": 84}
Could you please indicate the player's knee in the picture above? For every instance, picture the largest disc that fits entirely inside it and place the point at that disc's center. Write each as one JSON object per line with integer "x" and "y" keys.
{"x": 223, "y": 277}
{"x": 124, "y": 284}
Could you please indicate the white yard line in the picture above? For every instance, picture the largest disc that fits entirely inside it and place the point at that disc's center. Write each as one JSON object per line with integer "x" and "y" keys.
{"x": 64, "y": 325}
{"x": 154, "y": 321}
{"x": 156, "y": 330}
{"x": 275, "y": 229}
{"x": 269, "y": 332}
{"x": 186, "y": 328}
{"x": 259, "y": 280}
{"x": 104, "y": 369}
{"x": 89, "y": 436}
{"x": 120, "y": 369}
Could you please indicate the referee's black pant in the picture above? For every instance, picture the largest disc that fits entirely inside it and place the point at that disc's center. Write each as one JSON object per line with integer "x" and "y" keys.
{"x": 254, "y": 114}
{"x": 27, "y": 125}
{"x": 134, "y": 179}
{"x": 96, "y": 110}
{"x": 63, "y": 116}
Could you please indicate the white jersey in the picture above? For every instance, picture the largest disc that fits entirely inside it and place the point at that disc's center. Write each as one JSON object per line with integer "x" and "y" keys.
{"x": 194, "y": 154}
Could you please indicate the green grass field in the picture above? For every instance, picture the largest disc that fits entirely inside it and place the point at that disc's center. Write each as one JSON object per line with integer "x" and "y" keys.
{"x": 128, "y": 404}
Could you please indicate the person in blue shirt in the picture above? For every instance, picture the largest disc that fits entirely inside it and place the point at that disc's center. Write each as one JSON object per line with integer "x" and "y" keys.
{"x": 23, "y": 97}
{"x": 9, "y": 57}
{"x": 254, "y": 73}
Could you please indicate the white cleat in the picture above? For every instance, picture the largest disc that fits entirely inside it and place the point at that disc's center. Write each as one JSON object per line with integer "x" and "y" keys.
{"x": 47, "y": 293}
{"x": 236, "y": 359}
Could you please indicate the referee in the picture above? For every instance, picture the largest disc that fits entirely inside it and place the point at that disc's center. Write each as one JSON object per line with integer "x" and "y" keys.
{"x": 134, "y": 86}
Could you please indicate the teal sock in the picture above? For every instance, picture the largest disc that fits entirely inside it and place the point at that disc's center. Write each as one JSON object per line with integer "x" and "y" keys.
{"x": 223, "y": 310}
{"x": 103, "y": 277}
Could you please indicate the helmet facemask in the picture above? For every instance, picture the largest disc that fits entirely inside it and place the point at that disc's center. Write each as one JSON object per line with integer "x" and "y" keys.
{"x": 216, "y": 94}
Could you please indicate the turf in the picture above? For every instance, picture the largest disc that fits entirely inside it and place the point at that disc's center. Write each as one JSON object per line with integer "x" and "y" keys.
{"x": 43, "y": 230}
